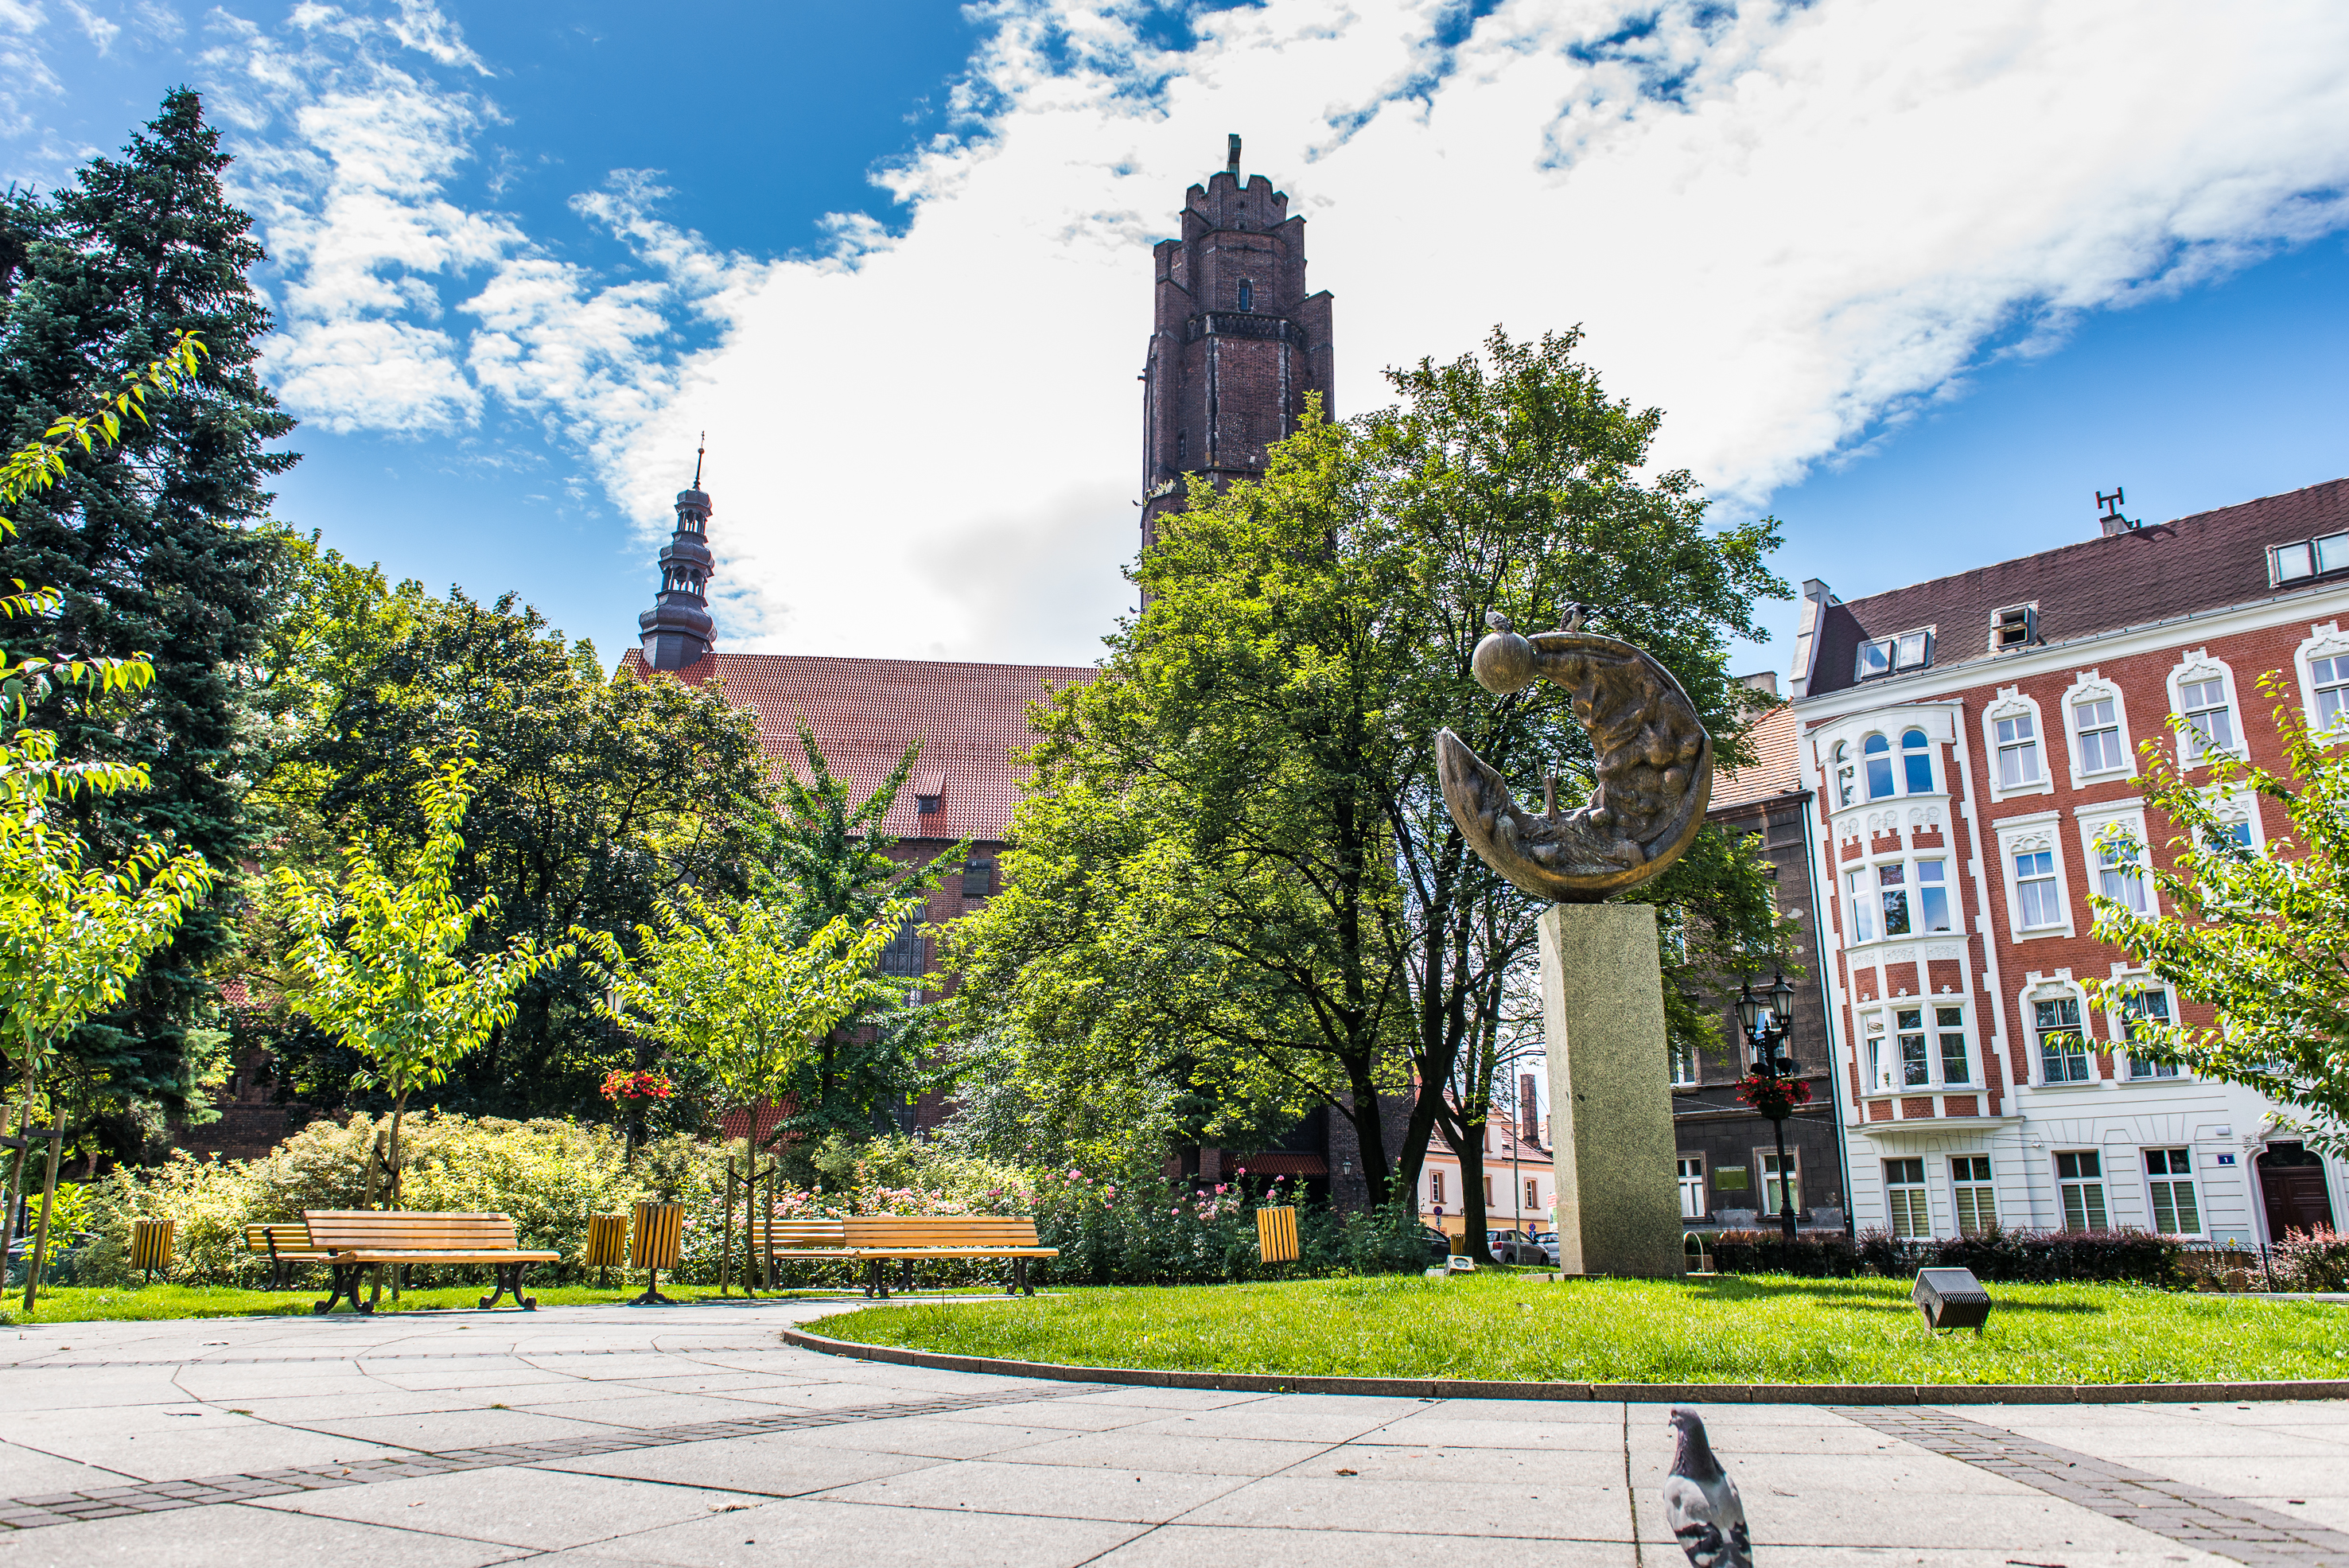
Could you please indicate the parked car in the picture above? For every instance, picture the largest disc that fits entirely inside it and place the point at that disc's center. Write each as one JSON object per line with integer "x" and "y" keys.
{"x": 1439, "y": 1246}
{"x": 1514, "y": 1247}
{"x": 1547, "y": 1242}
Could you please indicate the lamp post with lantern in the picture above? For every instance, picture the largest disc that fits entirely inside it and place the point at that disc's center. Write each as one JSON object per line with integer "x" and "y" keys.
{"x": 1773, "y": 1086}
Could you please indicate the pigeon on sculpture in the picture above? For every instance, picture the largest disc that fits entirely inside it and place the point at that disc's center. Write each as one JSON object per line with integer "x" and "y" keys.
{"x": 1700, "y": 1503}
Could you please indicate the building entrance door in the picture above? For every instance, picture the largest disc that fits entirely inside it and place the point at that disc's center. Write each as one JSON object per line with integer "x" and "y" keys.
{"x": 2292, "y": 1186}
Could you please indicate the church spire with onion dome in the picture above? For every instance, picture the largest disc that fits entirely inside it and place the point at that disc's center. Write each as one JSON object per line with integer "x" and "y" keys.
{"x": 678, "y": 630}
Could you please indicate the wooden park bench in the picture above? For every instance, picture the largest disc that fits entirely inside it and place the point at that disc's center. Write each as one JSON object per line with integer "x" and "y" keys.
{"x": 875, "y": 1238}
{"x": 773, "y": 1240}
{"x": 358, "y": 1240}
{"x": 287, "y": 1248}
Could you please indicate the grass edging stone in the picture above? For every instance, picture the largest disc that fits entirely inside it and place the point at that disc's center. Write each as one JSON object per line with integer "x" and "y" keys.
{"x": 1611, "y": 1393}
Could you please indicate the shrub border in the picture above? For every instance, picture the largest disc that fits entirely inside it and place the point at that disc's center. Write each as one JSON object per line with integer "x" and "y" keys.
{"x": 1613, "y": 1393}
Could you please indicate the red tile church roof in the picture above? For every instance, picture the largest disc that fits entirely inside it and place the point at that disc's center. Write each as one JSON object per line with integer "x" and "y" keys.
{"x": 971, "y": 718}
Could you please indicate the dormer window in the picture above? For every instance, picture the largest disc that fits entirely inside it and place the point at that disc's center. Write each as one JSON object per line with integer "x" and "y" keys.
{"x": 1884, "y": 655}
{"x": 2308, "y": 558}
{"x": 929, "y": 804}
{"x": 2013, "y": 627}
{"x": 1248, "y": 295}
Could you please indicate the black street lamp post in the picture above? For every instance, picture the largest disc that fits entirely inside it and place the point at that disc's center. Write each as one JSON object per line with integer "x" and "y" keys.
{"x": 1767, "y": 1021}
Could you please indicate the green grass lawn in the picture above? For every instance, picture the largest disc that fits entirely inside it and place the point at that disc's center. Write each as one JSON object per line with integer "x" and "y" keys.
{"x": 74, "y": 1303}
{"x": 1731, "y": 1329}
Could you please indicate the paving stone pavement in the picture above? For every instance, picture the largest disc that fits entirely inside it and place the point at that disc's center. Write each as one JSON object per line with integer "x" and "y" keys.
{"x": 692, "y": 1435}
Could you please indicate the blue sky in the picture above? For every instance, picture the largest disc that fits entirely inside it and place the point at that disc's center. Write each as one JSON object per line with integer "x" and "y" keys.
{"x": 1919, "y": 281}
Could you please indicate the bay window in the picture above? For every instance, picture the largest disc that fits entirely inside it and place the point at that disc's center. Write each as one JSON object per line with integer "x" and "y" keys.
{"x": 1917, "y": 762}
{"x": 1949, "y": 1023}
{"x": 1877, "y": 753}
{"x": 1863, "y": 908}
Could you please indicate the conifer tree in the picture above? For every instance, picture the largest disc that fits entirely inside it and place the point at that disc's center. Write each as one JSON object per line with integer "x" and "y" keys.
{"x": 158, "y": 546}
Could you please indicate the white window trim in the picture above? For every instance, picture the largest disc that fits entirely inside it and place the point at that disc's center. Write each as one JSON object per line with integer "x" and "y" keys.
{"x": 1882, "y": 1085}
{"x": 2040, "y": 830}
{"x": 2238, "y": 804}
{"x": 1865, "y": 868}
{"x": 1766, "y": 1180}
{"x": 2117, "y": 1033}
{"x": 1935, "y": 1083}
{"x": 2193, "y": 1178}
{"x": 2198, "y": 665}
{"x": 2094, "y": 820}
{"x": 2048, "y": 988}
{"x": 2010, "y": 702}
{"x": 2031, "y": 628}
{"x": 2325, "y": 641}
{"x": 2088, "y": 686}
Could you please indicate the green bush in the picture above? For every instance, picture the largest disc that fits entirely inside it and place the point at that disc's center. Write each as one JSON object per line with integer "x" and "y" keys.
{"x": 2311, "y": 1261}
{"x": 2025, "y": 1257}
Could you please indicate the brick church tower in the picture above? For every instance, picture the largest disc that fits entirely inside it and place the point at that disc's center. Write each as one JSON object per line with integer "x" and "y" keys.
{"x": 678, "y": 630}
{"x": 1236, "y": 342}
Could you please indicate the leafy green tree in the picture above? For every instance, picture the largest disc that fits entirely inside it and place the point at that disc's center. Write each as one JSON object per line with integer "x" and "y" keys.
{"x": 1236, "y": 870}
{"x": 378, "y": 960}
{"x": 736, "y": 986}
{"x": 154, "y": 545}
{"x": 824, "y": 857}
{"x": 2261, "y": 939}
{"x": 599, "y": 794}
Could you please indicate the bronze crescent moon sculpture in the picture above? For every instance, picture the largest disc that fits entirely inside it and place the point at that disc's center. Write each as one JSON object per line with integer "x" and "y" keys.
{"x": 1654, "y": 766}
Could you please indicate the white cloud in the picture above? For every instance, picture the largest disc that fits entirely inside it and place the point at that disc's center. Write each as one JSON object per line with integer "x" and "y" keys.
{"x": 1787, "y": 226}
{"x": 100, "y": 31}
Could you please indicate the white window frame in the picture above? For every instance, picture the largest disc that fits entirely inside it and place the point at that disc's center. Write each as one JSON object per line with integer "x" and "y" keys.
{"x": 2025, "y": 835}
{"x": 1973, "y": 1083}
{"x": 2234, "y": 805}
{"x": 1902, "y": 752}
{"x": 1983, "y": 1188}
{"x": 2127, "y": 980}
{"x": 1923, "y": 1190}
{"x": 2102, "y": 1181}
{"x": 2056, "y": 988}
{"x": 1868, "y": 873}
{"x": 1682, "y": 1058}
{"x": 2011, "y": 703}
{"x": 2094, "y": 820}
{"x": 2191, "y": 1180}
{"x": 2088, "y": 687}
{"x": 1877, "y": 1072}
{"x": 2324, "y": 641}
{"x": 1692, "y": 1184}
{"x": 2194, "y": 668}
{"x": 1766, "y": 1162}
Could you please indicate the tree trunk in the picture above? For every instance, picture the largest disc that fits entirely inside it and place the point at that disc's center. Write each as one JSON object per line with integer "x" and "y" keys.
{"x": 1370, "y": 1138}
{"x": 392, "y": 1174}
{"x": 41, "y": 1234}
{"x": 1470, "y": 1149}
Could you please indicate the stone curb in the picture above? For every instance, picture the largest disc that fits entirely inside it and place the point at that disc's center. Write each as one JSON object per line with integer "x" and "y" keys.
{"x": 1612, "y": 1393}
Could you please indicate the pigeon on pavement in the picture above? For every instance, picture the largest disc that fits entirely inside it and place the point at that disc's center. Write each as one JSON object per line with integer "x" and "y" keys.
{"x": 1700, "y": 1503}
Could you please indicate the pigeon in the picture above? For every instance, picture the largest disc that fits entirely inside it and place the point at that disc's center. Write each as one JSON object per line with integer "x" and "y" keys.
{"x": 1700, "y": 1503}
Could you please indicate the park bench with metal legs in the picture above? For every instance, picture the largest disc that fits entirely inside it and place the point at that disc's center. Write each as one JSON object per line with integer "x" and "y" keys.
{"x": 287, "y": 1248}
{"x": 773, "y": 1240}
{"x": 878, "y": 1240}
{"x": 358, "y": 1240}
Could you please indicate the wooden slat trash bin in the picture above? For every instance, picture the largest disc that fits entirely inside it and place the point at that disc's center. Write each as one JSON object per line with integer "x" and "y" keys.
{"x": 360, "y": 1239}
{"x": 150, "y": 1246}
{"x": 608, "y": 1244}
{"x": 659, "y": 1238}
{"x": 876, "y": 1239}
{"x": 287, "y": 1247}
{"x": 1276, "y": 1235}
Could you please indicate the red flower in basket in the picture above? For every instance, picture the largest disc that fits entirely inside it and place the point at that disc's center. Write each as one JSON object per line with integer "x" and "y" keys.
{"x": 1773, "y": 1097}
{"x": 619, "y": 1087}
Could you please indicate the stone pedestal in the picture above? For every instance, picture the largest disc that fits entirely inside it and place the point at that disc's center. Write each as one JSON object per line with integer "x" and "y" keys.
{"x": 1610, "y": 1092}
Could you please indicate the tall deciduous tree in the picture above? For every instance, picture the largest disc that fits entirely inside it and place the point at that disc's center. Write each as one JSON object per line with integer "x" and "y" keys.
{"x": 155, "y": 545}
{"x": 2263, "y": 939}
{"x": 378, "y": 958}
{"x": 1237, "y": 867}
{"x": 598, "y": 793}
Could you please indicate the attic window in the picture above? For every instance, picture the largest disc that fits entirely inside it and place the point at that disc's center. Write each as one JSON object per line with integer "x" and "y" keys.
{"x": 1883, "y": 655}
{"x": 929, "y": 804}
{"x": 2012, "y": 627}
{"x": 2308, "y": 558}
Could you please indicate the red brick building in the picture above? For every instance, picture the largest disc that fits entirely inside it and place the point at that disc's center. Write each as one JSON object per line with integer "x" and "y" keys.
{"x": 1967, "y": 740}
{"x": 1236, "y": 341}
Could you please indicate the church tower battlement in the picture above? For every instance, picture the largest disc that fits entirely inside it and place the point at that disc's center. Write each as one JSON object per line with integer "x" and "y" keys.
{"x": 1235, "y": 343}
{"x": 678, "y": 630}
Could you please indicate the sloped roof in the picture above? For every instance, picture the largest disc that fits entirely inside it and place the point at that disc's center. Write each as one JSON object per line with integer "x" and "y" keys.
{"x": 2135, "y": 577}
{"x": 1774, "y": 770}
{"x": 971, "y": 720}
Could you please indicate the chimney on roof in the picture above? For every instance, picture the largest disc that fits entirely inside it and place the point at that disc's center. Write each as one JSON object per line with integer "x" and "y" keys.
{"x": 1761, "y": 680}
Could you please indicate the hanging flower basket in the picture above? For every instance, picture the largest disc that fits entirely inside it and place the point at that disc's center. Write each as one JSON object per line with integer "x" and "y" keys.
{"x": 1773, "y": 1097}
{"x": 635, "y": 1089}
